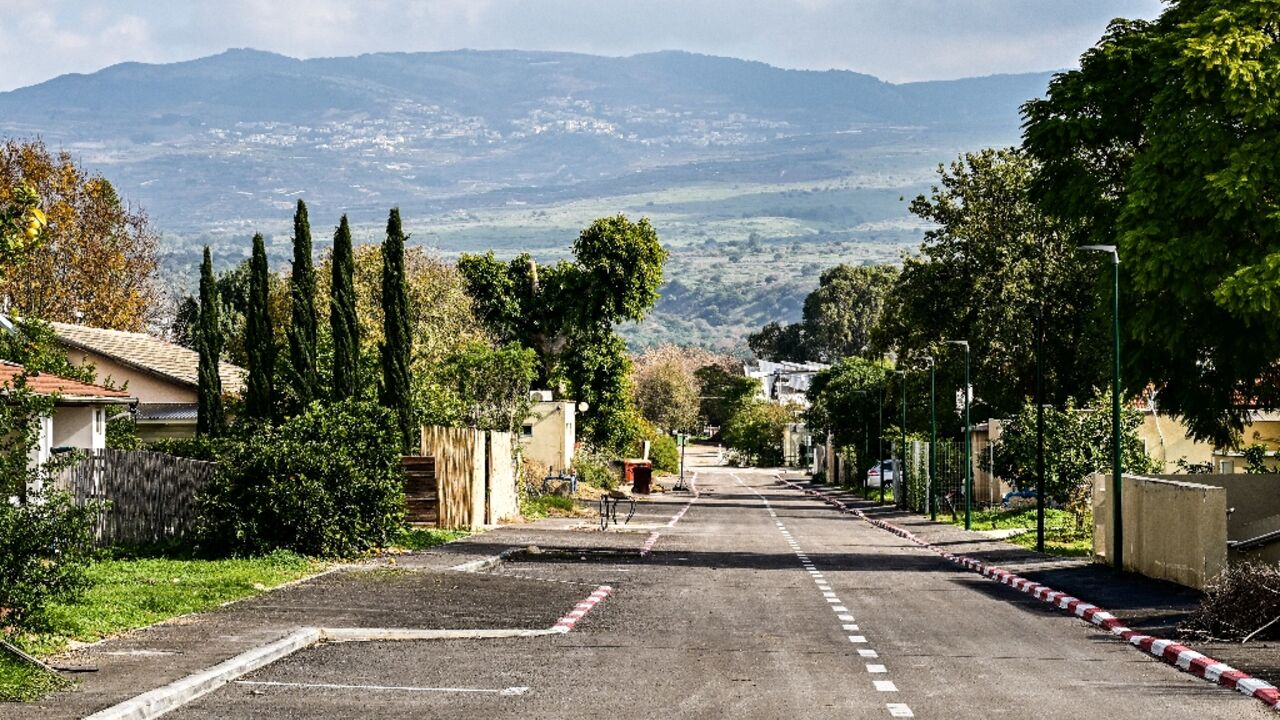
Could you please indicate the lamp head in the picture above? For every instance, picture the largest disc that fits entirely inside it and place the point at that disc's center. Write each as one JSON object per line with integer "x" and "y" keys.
{"x": 1115, "y": 254}
{"x": 963, "y": 343}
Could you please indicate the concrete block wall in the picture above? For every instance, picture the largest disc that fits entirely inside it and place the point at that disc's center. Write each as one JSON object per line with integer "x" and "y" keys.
{"x": 1173, "y": 529}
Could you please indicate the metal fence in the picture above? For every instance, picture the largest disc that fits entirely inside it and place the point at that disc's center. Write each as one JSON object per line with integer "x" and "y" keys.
{"x": 146, "y": 497}
{"x": 911, "y": 490}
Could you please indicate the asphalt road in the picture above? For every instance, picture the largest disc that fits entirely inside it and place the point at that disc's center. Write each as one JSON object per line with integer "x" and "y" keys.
{"x": 757, "y": 603}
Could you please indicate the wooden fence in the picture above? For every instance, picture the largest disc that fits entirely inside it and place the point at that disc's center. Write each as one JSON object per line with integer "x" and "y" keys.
{"x": 148, "y": 497}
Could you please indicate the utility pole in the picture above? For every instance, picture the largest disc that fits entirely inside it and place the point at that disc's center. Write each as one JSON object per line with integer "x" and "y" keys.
{"x": 1117, "y": 518}
{"x": 968, "y": 440}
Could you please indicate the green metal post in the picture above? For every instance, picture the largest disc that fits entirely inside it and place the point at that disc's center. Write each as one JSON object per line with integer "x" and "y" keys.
{"x": 1116, "y": 547}
{"x": 901, "y": 473}
{"x": 968, "y": 448}
{"x": 933, "y": 441}
{"x": 880, "y": 457}
{"x": 1116, "y": 468}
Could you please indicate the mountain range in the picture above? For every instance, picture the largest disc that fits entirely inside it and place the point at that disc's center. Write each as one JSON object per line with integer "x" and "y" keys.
{"x": 748, "y": 171}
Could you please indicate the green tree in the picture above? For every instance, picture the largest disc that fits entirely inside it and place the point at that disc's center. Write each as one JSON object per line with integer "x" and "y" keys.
{"x": 343, "y": 321}
{"x": 302, "y": 294}
{"x": 777, "y": 342}
{"x": 722, "y": 393}
{"x": 1163, "y": 143}
{"x": 34, "y": 345}
{"x": 46, "y": 541}
{"x": 666, "y": 395}
{"x": 840, "y": 314}
{"x": 209, "y": 415}
{"x": 396, "y": 391}
{"x": 566, "y": 312}
{"x": 597, "y": 370}
{"x": 325, "y": 482}
{"x": 755, "y": 432}
{"x": 259, "y": 401}
{"x": 482, "y": 387}
{"x": 1077, "y": 441}
{"x": 990, "y": 265}
{"x": 845, "y": 401}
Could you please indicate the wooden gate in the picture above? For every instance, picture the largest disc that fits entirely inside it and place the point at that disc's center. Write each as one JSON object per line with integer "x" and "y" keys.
{"x": 422, "y": 503}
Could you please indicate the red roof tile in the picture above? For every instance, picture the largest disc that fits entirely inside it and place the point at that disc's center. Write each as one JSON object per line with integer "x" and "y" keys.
{"x": 49, "y": 384}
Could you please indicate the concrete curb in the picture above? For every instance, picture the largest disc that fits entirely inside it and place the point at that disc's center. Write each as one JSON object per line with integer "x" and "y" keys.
{"x": 155, "y": 703}
{"x": 1180, "y": 656}
{"x": 486, "y": 563}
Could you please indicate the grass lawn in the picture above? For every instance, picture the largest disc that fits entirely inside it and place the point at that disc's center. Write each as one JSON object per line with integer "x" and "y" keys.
{"x": 548, "y": 506}
{"x": 131, "y": 592}
{"x": 419, "y": 538}
{"x": 20, "y": 681}
{"x": 1060, "y": 535}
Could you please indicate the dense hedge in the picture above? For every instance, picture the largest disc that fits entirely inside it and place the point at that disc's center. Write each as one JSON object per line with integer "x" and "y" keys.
{"x": 327, "y": 483}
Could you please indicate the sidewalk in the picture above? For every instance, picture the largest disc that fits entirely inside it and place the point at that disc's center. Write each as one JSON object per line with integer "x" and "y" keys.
{"x": 1152, "y": 606}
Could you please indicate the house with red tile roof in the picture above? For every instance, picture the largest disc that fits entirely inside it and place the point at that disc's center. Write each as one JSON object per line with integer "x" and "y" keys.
{"x": 160, "y": 374}
{"x": 80, "y": 412}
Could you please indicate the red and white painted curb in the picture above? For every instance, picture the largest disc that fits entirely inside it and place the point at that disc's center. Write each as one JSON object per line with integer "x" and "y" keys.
{"x": 1180, "y": 656}
{"x": 649, "y": 543}
{"x": 652, "y": 540}
{"x": 566, "y": 623}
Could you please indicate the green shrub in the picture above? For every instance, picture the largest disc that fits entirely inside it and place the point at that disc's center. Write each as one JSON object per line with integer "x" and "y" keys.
{"x": 596, "y": 469}
{"x": 201, "y": 447}
{"x": 545, "y": 505}
{"x": 326, "y": 483}
{"x": 45, "y": 548}
{"x": 663, "y": 450}
{"x": 665, "y": 454}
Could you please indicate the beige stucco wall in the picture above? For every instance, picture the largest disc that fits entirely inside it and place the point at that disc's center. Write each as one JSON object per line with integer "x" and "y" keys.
{"x": 1165, "y": 438}
{"x": 503, "y": 501}
{"x": 553, "y": 435}
{"x": 148, "y": 388}
{"x": 80, "y": 426}
{"x": 1173, "y": 530}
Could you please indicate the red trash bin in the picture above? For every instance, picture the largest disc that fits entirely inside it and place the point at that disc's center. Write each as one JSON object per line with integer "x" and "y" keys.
{"x": 639, "y": 473}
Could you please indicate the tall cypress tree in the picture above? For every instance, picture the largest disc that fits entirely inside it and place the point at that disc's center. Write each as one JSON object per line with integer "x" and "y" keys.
{"x": 396, "y": 344}
{"x": 342, "y": 316}
{"x": 302, "y": 292}
{"x": 210, "y": 420}
{"x": 259, "y": 340}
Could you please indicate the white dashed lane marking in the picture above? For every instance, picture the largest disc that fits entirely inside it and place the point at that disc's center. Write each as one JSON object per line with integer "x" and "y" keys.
{"x": 842, "y": 612}
{"x": 885, "y": 685}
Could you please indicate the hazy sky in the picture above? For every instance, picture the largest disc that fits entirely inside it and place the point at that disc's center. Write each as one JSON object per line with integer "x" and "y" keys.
{"x": 897, "y": 40}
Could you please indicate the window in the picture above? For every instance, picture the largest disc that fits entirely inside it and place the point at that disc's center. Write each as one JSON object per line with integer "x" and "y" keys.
{"x": 1226, "y": 467}
{"x": 526, "y": 431}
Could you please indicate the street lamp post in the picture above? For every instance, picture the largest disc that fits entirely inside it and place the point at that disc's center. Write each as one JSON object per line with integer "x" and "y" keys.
{"x": 968, "y": 440}
{"x": 1039, "y": 430}
{"x": 884, "y": 385}
{"x": 933, "y": 439}
{"x": 899, "y": 472}
{"x": 1116, "y": 469}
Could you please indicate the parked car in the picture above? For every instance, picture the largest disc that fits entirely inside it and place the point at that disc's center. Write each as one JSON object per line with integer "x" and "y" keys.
{"x": 883, "y": 469}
